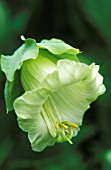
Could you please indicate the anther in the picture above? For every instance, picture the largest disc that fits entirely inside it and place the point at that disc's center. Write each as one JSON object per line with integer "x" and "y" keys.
{"x": 57, "y": 125}
{"x": 63, "y": 125}
{"x": 70, "y": 124}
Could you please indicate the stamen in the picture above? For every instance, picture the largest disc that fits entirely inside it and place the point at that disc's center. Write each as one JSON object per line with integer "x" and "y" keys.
{"x": 66, "y": 131}
{"x": 49, "y": 122}
{"x": 62, "y": 130}
{"x": 63, "y": 125}
{"x": 57, "y": 125}
{"x": 49, "y": 110}
{"x": 65, "y": 128}
{"x": 55, "y": 108}
{"x": 45, "y": 115}
{"x": 60, "y": 124}
{"x": 69, "y": 140}
{"x": 73, "y": 125}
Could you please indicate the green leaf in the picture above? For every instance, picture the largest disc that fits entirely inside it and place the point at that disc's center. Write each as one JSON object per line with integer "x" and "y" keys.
{"x": 10, "y": 64}
{"x": 59, "y": 48}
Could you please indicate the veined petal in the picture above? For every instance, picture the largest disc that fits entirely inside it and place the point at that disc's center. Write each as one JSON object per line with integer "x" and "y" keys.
{"x": 68, "y": 72}
{"x": 58, "y": 105}
{"x": 34, "y": 71}
{"x": 28, "y": 108}
{"x": 93, "y": 86}
{"x": 74, "y": 86}
{"x": 71, "y": 104}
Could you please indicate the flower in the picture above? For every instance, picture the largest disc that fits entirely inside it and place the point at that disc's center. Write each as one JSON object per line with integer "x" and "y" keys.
{"x": 58, "y": 90}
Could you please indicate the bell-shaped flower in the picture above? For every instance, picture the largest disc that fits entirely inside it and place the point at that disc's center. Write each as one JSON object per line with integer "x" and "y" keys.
{"x": 58, "y": 90}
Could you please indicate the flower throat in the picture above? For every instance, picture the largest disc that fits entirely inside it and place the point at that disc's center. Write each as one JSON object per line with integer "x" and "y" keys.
{"x": 60, "y": 130}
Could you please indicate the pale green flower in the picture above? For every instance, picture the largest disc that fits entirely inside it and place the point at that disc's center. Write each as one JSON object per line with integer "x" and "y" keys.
{"x": 58, "y": 90}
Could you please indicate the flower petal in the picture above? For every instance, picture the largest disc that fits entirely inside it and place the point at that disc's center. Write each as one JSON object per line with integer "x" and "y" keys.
{"x": 28, "y": 108}
{"x": 71, "y": 104}
{"x": 74, "y": 86}
{"x": 34, "y": 71}
{"x": 68, "y": 72}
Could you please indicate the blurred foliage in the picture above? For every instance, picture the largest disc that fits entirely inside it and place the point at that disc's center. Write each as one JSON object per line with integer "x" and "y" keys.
{"x": 85, "y": 25}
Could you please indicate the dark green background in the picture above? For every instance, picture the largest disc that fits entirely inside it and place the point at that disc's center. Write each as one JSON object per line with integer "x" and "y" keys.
{"x": 84, "y": 24}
